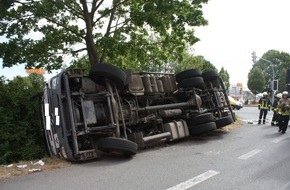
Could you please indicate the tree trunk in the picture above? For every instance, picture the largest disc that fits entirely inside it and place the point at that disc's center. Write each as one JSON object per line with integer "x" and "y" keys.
{"x": 91, "y": 48}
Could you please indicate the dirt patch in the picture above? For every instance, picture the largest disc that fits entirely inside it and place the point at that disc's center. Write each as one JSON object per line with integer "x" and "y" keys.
{"x": 237, "y": 124}
{"x": 27, "y": 167}
{"x": 219, "y": 132}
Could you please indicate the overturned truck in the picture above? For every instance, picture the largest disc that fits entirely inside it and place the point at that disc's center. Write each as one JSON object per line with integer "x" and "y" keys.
{"x": 116, "y": 111}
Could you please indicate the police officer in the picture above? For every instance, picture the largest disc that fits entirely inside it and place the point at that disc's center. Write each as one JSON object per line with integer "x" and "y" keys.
{"x": 284, "y": 111}
{"x": 275, "y": 118}
{"x": 264, "y": 106}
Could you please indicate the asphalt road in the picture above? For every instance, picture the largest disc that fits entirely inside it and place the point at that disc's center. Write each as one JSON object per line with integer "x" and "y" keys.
{"x": 251, "y": 157}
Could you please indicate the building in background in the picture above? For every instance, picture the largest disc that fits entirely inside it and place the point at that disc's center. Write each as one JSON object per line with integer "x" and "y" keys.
{"x": 242, "y": 94}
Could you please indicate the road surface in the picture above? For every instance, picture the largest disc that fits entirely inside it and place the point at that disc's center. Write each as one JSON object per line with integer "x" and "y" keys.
{"x": 252, "y": 157}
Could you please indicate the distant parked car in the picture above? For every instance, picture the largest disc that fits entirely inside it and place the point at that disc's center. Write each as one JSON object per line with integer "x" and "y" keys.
{"x": 235, "y": 104}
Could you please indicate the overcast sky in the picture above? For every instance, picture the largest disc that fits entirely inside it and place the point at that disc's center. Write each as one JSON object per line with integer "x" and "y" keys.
{"x": 236, "y": 28}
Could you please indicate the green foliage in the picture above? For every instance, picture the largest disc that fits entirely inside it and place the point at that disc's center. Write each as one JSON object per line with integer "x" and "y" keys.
{"x": 280, "y": 62}
{"x": 207, "y": 66}
{"x": 225, "y": 77}
{"x": 82, "y": 63}
{"x": 136, "y": 32}
{"x": 282, "y": 80}
{"x": 256, "y": 80}
{"x": 4, "y": 6}
{"x": 21, "y": 137}
{"x": 196, "y": 62}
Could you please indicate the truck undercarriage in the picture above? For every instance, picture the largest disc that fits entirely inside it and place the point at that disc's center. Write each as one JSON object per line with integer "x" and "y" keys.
{"x": 116, "y": 111}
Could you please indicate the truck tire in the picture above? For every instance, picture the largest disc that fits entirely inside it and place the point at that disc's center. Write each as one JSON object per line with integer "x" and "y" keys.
{"x": 202, "y": 128}
{"x": 224, "y": 121}
{"x": 187, "y": 74}
{"x": 200, "y": 119}
{"x": 192, "y": 82}
{"x": 215, "y": 83}
{"x": 117, "y": 145}
{"x": 100, "y": 72}
{"x": 210, "y": 76}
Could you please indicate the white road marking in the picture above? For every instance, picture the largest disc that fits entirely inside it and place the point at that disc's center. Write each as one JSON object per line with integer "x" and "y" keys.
{"x": 249, "y": 154}
{"x": 279, "y": 139}
{"x": 194, "y": 181}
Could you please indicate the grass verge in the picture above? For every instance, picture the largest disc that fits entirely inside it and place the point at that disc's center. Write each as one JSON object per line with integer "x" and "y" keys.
{"x": 17, "y": 169}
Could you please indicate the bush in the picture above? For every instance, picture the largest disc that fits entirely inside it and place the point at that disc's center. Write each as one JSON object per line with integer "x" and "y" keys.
{"x": 21, "y": 136}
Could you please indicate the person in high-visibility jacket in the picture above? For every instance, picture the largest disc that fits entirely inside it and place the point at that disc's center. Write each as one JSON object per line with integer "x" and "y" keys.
{"x": 284, "y": 111}
{"x": 264, "y": 106}
{"x": 275, "y": 118}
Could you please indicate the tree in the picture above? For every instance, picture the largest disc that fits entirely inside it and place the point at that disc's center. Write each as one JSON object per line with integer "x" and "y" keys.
{"x": 44, "y": 33}
{"x": 21, "y": 137}
{"x": 225, "y": 77}
{"x": 4, "y": 5}
{"x": 282, "y": 80}
{"x": 280, "y": 61}
{"x": 256, "y": 80}
{"x": 81, "y": 63}
{"x": 196, "y": 62}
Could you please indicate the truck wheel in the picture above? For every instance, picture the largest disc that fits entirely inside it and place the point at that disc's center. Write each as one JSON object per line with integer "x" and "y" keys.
{"x": 187, "y": 74}
{"x": 192, "y": 82}
{"x": 118, "y": 145}
{"x": 99, "y": 72}
{"x": 210, "y": 76}
{"x": 200, "y": 119}
{"x": 215, "y": 83}
{"x": 224, "y": 121}
{"x": 202, "y": 128}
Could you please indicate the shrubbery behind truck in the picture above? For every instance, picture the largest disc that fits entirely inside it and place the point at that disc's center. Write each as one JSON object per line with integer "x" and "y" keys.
{"x": 116, "y": 111}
